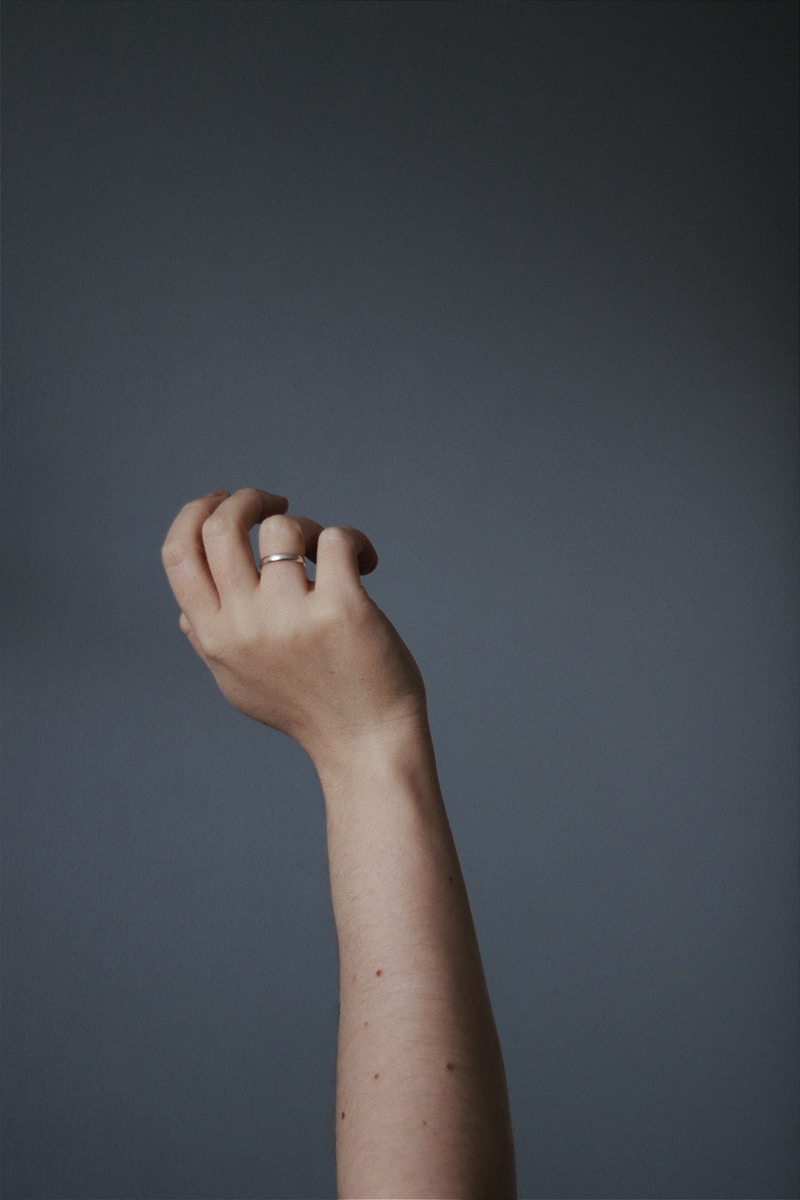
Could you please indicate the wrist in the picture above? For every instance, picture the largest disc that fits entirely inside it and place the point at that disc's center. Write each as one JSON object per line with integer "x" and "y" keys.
{"x": 395, "y": 751}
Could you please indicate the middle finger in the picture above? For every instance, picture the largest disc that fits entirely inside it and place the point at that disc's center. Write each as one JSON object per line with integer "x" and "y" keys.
{"x": 226, "y": 537}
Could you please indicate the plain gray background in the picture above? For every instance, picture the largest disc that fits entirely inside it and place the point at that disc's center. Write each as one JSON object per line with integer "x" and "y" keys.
{"x": 512, "y": 287}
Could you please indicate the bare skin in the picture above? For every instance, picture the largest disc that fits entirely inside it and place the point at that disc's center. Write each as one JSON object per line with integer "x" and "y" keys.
{"x": 421, "y": 1104}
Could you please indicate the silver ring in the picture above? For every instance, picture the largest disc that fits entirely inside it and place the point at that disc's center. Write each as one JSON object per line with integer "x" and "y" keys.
{"x": 270, "y": 558}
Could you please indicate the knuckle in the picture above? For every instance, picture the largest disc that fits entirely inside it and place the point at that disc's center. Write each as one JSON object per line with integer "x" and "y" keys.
{"x": 284, "y": 526}
{"x": 173, "y": 553}
{"x": 216, "y": 525}
{"x": 248, "y": 495}
{"x": 337, "y": 535}
{"x": 191, "y": 509}
{"x": 170, "y": 553}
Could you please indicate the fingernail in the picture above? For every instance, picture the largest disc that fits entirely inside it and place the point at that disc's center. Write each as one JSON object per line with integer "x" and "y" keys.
{"x": 220, "y": 492}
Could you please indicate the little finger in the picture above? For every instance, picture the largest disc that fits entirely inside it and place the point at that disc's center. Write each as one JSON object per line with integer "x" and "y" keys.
{"x": 343, "y": 555}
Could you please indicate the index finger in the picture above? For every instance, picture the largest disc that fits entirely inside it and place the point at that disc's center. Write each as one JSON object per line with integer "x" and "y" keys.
{"x": 184, "y": 557}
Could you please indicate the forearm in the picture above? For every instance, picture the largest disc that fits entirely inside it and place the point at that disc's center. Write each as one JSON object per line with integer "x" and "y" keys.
{"x": 422, "y": 1106}
{"x": 422, "y": 1103}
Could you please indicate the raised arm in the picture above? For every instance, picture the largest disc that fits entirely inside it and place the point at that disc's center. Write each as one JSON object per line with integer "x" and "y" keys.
{"x": 422, "y": 1107}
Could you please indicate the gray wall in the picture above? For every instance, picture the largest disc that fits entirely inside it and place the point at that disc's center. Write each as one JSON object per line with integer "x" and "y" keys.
{"x": 512, "y": 286}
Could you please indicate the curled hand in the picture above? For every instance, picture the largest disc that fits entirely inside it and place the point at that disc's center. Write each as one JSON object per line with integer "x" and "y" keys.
{"x": 317, "y": 660}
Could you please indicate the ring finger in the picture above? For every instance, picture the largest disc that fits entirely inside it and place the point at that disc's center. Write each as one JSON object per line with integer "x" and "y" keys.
{"x": 290, "y": 536}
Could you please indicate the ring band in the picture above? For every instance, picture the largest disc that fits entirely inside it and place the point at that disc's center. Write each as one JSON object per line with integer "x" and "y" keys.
{"x": 271, "y": 558}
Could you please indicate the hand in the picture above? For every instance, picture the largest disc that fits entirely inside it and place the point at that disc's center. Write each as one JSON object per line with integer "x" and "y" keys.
{"x": 319, "y": 660}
